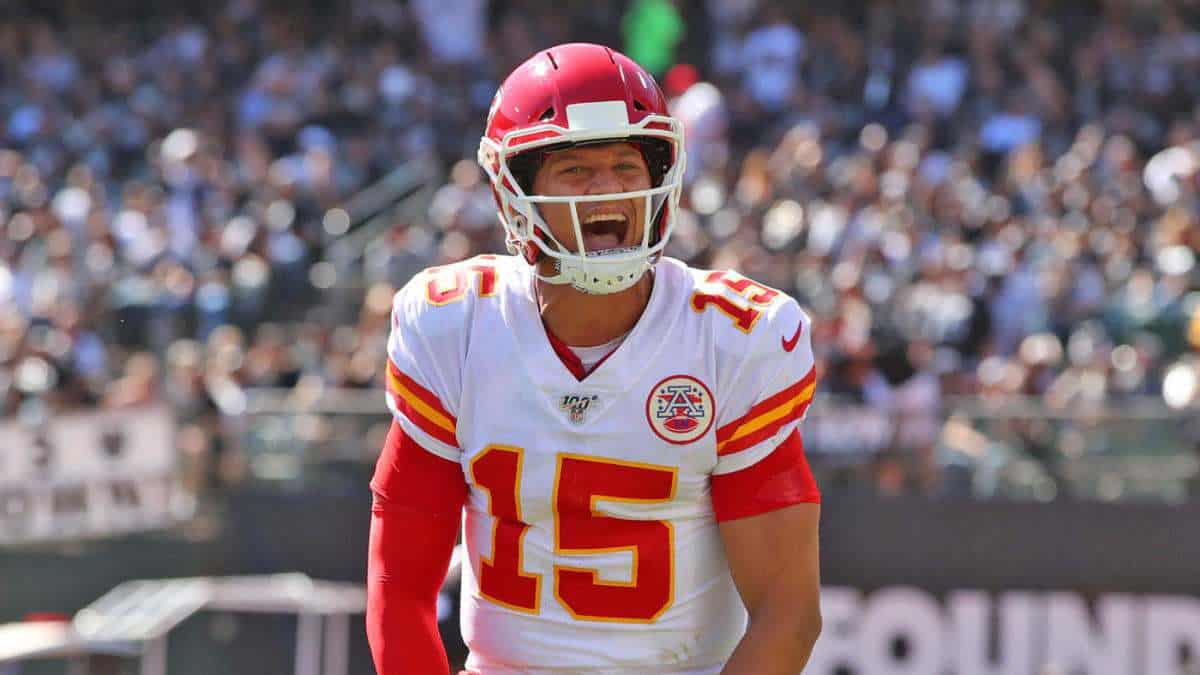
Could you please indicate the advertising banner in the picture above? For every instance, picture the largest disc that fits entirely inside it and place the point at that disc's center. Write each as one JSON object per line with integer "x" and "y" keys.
{"x": 89, "y": 475}
{"x": 901, "y": 630}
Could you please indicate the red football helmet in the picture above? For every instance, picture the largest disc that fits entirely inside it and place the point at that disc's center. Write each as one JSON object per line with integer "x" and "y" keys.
{"x": 576, "y": 94}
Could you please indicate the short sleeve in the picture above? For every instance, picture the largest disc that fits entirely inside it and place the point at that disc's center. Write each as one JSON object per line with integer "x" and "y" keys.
{"x": 424, "y": 369}
{"x": 768, "y": 394}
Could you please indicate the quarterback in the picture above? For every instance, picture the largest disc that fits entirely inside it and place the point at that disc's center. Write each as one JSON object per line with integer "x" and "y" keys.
{"x": 615, "y": 432}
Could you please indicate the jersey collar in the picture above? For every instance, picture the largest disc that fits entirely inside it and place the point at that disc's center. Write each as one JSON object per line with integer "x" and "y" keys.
{"x": 551, "y": 369}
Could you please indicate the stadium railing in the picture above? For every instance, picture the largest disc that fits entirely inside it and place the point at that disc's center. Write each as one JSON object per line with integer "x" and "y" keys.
{"x": 357, "y": 227}
{"x": 1017, "y": 448}
{"x": 135, "y": 618}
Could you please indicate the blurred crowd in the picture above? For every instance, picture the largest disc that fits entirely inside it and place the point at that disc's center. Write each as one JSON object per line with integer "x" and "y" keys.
{"x": 993, "y": 199}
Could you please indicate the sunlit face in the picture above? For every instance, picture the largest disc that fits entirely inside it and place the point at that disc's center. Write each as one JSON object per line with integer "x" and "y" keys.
{"x": 593, "y": 170}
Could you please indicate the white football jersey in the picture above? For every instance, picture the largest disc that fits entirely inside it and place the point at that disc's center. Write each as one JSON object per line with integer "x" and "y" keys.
{"x": 590, "y": 536}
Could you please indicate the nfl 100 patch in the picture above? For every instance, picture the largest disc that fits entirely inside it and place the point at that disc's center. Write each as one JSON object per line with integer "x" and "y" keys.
{"x": 576, "y": 406}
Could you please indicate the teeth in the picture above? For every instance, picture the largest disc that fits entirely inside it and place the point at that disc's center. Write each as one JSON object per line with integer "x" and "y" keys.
{"x": 597, "y": 217}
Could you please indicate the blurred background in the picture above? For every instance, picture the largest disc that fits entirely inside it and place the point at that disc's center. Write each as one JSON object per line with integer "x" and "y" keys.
{"x": 990, "y": 207}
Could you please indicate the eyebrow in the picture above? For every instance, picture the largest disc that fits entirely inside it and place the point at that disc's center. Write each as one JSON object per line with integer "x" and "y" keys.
{"x": 567, "y": 155}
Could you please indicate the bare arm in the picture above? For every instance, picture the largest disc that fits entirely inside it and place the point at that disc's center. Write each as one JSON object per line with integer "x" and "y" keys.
{"x": 774, "y": 559}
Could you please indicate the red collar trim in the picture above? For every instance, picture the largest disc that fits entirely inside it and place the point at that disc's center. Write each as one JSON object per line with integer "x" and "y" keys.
{"x": 570, "y": 359}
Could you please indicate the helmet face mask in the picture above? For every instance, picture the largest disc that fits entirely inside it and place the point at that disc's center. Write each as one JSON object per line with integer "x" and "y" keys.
{"x": 575, "y": 95}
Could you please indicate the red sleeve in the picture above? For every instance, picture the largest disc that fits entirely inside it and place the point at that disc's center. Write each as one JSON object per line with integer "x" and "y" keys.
{"x": 410, "y": 476}
{"x": 414, "y": 525}
{"x": 780, "y": 479}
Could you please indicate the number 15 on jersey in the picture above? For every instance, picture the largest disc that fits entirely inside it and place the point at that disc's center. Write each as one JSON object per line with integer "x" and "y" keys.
{"x": 579, "y": 529}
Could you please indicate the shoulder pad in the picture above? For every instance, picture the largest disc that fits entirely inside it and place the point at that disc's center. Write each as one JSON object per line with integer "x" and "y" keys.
{"x": 439, "y": 300}
{"x": 748, "y": 316}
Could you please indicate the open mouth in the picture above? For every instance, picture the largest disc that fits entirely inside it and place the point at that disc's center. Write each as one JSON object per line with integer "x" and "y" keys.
{"x": 604, "y": 230}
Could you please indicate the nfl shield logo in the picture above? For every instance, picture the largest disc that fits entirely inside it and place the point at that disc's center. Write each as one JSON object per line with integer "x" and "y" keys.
{"x": 576, "y": 406}
{"x": 680, "y": 409}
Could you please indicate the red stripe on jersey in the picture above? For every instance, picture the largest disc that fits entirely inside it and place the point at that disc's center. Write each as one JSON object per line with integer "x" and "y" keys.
{"x": 428, "y": 397}
{"x": 421, "y": 406}
{"x": 423, "y": 423}
{"x": 756, "y": 437}
{"x": 766, "y": 405}
{"x": 780, "y": 479}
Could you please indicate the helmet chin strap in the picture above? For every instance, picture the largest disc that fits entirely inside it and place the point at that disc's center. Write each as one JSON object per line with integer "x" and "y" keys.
{"x": 595, "y": 277}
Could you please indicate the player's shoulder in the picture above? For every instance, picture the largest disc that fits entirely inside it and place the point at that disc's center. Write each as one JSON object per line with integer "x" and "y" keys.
{"x": 747, "y": 318}
{"x": 440, "y": 300}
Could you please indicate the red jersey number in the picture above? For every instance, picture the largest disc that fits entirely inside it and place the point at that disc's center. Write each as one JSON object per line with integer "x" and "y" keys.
{"x": 579, "y": 529}
{"x": 744, "y": 308}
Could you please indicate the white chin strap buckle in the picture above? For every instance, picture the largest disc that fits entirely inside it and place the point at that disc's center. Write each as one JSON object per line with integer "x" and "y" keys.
{"x": 595, "y": 277}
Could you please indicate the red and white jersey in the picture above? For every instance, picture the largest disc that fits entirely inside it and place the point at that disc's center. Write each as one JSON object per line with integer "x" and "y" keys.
{"x": 590, "y": 530}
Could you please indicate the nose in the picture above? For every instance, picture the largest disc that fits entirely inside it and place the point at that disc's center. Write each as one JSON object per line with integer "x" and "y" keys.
{"x": 605, "y": 181}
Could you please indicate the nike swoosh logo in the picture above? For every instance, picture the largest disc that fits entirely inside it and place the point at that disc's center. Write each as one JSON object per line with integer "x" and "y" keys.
{"x": 789, "y": 345}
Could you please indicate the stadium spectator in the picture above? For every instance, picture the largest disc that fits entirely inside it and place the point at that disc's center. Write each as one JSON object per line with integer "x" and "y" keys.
{"x": 992, "y": 198}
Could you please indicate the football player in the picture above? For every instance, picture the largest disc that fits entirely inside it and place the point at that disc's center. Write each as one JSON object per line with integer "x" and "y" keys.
{"x": 615, "y": 431}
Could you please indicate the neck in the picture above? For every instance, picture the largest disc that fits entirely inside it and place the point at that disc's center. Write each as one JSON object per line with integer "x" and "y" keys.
{"x": 585, "y": 320}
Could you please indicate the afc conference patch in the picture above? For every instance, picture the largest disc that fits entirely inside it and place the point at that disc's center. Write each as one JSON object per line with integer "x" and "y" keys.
{"x": 680, "y": 409}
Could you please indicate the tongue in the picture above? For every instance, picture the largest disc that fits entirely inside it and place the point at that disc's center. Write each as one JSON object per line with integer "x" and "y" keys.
{"x": 599, "y": 242}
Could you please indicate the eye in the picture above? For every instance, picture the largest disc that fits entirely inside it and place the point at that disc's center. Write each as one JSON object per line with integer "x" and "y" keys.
{"x": 571, "y": 170}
